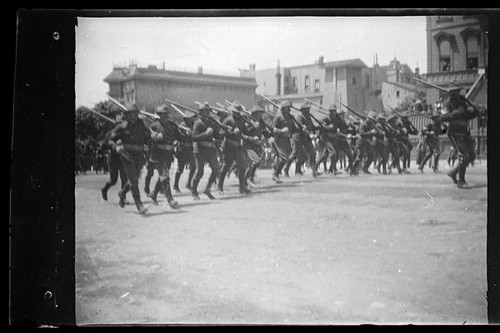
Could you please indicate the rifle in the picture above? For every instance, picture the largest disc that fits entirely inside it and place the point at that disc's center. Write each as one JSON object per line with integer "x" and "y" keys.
{"x": 221, "y": 125}
{"x": 318, "y": 107}
{"x": 356, "y": 113}
{"x": 269, "y": 128}
{"x": 181, "y": 106}
{"x": 278, "y": 107}
{"x": 101, "y": 115}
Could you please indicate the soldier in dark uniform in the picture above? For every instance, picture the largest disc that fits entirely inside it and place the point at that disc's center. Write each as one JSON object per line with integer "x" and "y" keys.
{"x": 432, "y": 141}
{"x": 164, "y": 133}
{"x": 283, "y": 128}
{"x": 392, "y": 135}
{"x": 115, "y": 164}
{"x": 364, "y": 152}
{"x": 330, "y": 134}
{"x": 185, "y": 155}
{"x": 301, "y": 140}
{"x": 340, "y": 142}
{"x": 204, "y": 131}
{"x": 258, "y": 128}
{"x": 458, "y": 115}
{"x": 135, "y": 138}
{"x": 379, "y": 145}
{"x": 233, "y": 150}
{"x": 409, "y": 128}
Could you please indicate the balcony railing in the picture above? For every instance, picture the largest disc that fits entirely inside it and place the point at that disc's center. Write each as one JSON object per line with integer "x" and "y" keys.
{"x": 469, "y": 75}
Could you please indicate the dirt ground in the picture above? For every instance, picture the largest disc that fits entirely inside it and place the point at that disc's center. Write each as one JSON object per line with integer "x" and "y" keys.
{"x": 382, "y": 249}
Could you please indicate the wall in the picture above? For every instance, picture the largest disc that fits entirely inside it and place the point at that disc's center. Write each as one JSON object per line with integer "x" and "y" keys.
{"x": 267, "y": 82}
{"x": 389, "y": 95}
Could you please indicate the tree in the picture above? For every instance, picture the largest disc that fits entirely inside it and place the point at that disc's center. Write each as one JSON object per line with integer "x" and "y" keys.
{"x": 414, "y": 103}
{"x": 89, "y": 126}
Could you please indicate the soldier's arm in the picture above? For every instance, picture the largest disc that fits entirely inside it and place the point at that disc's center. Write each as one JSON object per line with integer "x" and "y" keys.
{"x": 200, "y": 133}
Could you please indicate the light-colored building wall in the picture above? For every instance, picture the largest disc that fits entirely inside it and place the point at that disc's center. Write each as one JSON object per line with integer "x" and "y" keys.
{"x": 393, "y": 95}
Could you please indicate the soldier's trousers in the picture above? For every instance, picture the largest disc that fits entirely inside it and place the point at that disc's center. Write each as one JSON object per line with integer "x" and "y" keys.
{"x": 434, "y": 149}
{"x": 151, "y": 166}
{"x": 282, "y": 149}
{"x": 133, "y": 162}
{"x": 328, "y": 150}
{"x": 163, "y": 163}
{"x": 302, "y": 150}
{"x": 254, "y": 157}
{"x": 203, "y": 156}
{"x": 380, "y": 154}
{"x": 464, "y": 144}
{"x": 364, "y": 153}
{"x": 115, "y": 166}
{"x": 233, "y": 154}
{"x": 406, "y": 158}
{"x": 393, "y": 149}
{"x": 342, "y": 146}
{"x": 185, "y": 158}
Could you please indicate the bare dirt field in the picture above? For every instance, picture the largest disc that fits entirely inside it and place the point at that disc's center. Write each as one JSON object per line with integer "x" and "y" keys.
{"x": 382, "y": 249}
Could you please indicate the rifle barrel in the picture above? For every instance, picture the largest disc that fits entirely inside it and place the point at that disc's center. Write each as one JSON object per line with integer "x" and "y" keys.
{"x": 356, "y": 113}
{"x": 101, "y": 115}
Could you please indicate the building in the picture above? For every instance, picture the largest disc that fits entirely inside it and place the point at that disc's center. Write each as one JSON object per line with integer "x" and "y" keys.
{"x": 148, "y": 87}
{"x": 321, "y": 82}
{"x": 457, "y": 53}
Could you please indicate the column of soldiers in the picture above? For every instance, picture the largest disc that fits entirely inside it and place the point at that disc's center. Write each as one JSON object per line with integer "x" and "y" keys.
{"x": 234, "y": 141}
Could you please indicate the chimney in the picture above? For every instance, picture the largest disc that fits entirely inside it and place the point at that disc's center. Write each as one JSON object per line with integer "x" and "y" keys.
{"x": 200, "y": 70}
{"x": 321, "y": 60}
{"x": 252, "y": 67}
{"x": 417, "y": 72}
{"x": 278, "y": 79}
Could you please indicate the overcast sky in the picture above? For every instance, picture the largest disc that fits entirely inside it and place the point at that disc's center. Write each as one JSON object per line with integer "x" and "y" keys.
{"x": 224, "y": 45}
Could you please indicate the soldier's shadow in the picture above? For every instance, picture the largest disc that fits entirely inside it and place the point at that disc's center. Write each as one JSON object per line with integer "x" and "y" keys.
{"x": 243, "y": 196}
{"x": 150, "y": 213}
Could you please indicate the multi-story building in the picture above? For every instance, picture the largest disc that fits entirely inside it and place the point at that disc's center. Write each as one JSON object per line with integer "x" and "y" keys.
{"x": 321, "y": 82}
{"x": 148, "y": 87}
{"x": 457, "y": 54}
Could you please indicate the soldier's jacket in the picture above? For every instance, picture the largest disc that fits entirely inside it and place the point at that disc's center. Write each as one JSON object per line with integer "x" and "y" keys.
{"x": 330, "y": 128}
{"x": 380, "y": 131}
{"x": 307, "y": 122}
{"x": 184, "y": 142}
{"x": 391, "y": 132}
{"x": 365, "y": 131}
{"x": 432, "y": 130}
{"x": 341, "y": 125}
{"x": 131, "y": 135}
{"x": 280, "y": 121}
{"x": 202, "y": 140}
{"x": 458, "y": 118}
{"x": 232, "y": 138}
{"x": 256, "y": 130}
{"x": 408, "y": 126}
{"x": 159, "y": 147}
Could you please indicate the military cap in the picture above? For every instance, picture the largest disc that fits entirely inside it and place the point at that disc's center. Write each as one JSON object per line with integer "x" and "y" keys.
{"x": 372, "y": 115}
{"x": 256, "y": 109}
{"x": 285, "y": 104}
{"x": 205, "y": 106}
{"x": 392, "y": 117}
{"x": 332, "y": 107}
{"x": 305, "y": 105}
{"x": 162, "y": 109}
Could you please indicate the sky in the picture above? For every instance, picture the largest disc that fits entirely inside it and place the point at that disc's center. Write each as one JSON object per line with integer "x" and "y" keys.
{"x": 223, "y": 45}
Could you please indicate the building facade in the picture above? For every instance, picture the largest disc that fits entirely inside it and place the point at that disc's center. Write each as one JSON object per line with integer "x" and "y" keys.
{"x": 457, "y": 54}
{"x": 148, "y": 87}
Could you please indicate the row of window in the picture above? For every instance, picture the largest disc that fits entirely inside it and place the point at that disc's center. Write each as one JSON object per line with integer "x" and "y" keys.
{"x": 307, "y": 83}
{"x": 471, "y": 54}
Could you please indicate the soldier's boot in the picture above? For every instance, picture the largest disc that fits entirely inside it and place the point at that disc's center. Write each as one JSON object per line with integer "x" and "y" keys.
{"x": 220, "y": 184}
{"x": 122, "y": 194}
{"x": 168, "y": 193}
{"x": 147, "y": 182}
{"x": 154, "y": 195}
{"x": 453, "y": 175}
{"x": 276, "y": 178}
{"x": 207, "y": 192}
{"x": 137, "y": 200}
{"x": 176, "y": 182}
{"x": 104, "y": 191}
{"x": 194, "y": 189}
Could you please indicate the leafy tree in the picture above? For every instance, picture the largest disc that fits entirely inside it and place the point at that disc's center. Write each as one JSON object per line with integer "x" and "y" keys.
{"x": 415, "y": 103}
{"x": 89, "y": 126}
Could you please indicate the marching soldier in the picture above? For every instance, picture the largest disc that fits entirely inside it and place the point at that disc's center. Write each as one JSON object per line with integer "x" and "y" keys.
{"x": 254, "y": 148}
{"x": 134, "y": 139}
{"x": 340, "y": 142}
{"x": 379, "y": 146}
{"x": 204, "y": 131}
{"x": 432, "y": 141}
{"x": 458, "y": 116}
{"x": 233, "y": 149}
{"x": 301, "y": 140}
{"x": 164, "y": 133}
{"x": 115, "y": 165}
{"x": 364, "y": 152}
{"x": 393, "y": 134}
{"x": 409, "y": 128}
{"x": 185, "y": 155}
{"x": 283, "y": 128}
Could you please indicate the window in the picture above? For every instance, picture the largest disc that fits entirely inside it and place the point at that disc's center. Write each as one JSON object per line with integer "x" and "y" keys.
{"x": 294, "y": 83}
{"x": 354, "y": 81}
{"x": 316, "y": 85}
{"x": 367, "y": 81}
{"x": 472, "y": 50}
{"x": 445, "y": 56}
{"x": 444, "y": 19}
{"x": 307, "y": 83}
{"x": 397, "y": 94}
